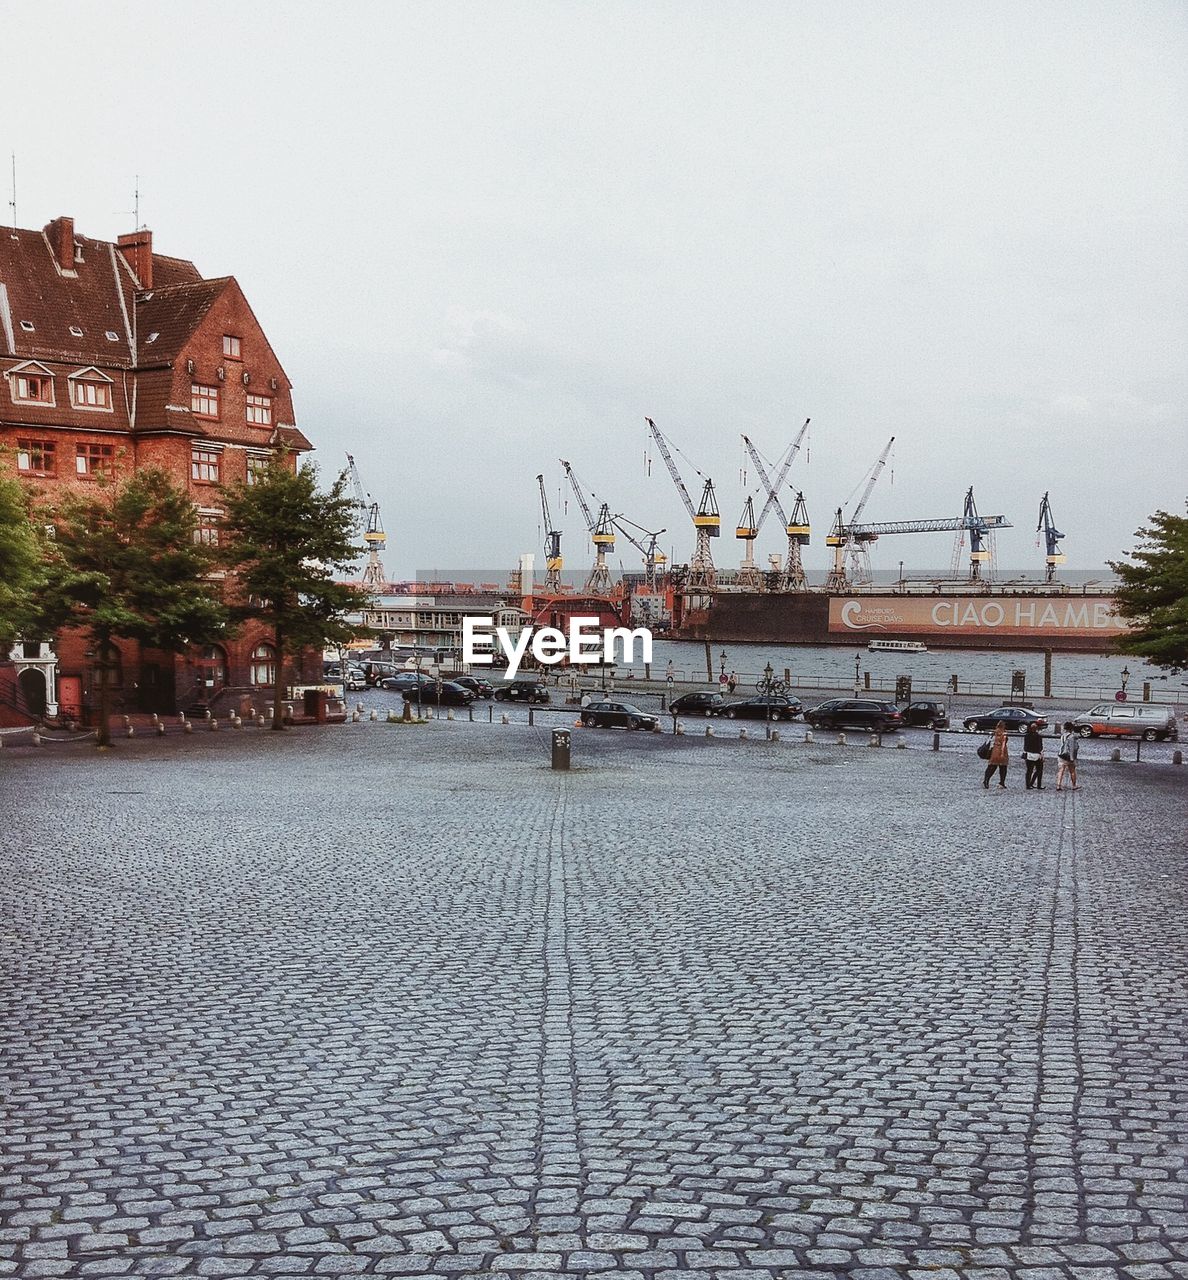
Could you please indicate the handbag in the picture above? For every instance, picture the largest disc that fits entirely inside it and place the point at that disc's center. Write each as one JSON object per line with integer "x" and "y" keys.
{"x": 1033, "y": 756}
{"x": 985, "y": 750}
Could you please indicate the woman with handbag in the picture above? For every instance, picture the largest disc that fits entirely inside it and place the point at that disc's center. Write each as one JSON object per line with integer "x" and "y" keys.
{"x": 998, "y": 757}
{"x": 1033, "y": 757}
{"x": 1069, "y": 745}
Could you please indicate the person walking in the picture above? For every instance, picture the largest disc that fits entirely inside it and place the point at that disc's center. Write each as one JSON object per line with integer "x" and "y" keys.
{"x": 1033, "y": 758}
{"x": 999, "y": 756}
{"x": 732, "y": 682}
{"x": 1070, "y": 744}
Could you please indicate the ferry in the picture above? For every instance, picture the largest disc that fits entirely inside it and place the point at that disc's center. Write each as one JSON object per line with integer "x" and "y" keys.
{"x": 897, "y": 646}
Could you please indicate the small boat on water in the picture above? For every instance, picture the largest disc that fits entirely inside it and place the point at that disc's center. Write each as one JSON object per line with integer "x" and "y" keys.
{"x": 897, "y": 646}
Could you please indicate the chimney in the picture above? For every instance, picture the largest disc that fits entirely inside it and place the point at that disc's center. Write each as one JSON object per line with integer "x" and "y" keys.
{"x": 137, "y": 249}
{"x": 60, "y": 234}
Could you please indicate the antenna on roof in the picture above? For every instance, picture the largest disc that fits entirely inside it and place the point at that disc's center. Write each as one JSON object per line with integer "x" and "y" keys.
{"x": 136, "y": 203}
{"x": 12, "y": 202}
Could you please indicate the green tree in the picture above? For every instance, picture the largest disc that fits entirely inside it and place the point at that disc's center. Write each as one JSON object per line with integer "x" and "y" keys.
{"x": 285, "y": 541}
{"x": 124, "y": 563}
{"x": 20, "y": 561}
{"x": 1154, "y": 593}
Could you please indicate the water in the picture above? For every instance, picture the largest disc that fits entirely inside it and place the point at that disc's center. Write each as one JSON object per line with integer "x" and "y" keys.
{"x": 1092, "y": 675}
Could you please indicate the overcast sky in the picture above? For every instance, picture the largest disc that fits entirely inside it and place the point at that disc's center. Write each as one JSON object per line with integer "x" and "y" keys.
{"x": 485, "y": 236}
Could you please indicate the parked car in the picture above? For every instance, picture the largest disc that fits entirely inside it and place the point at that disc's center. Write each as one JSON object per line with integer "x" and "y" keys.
{"x": 355, "y": 679}
{"x": 445, "y": 694}
{"x": 406, "y": 680}
{"x": 705, "y": 702}
{"x": 608, "y": 715}
{"x": 374, "y": 672}
{"x": 521, "y": 691}
{"x": 776, "y": 707}
{"x": 480, "y": 688}
{"x": 855, "y": 713}
{"x": 1146, "y": 720}
{"x": 1016, "y": 719}
{"x": 926, "y": 714}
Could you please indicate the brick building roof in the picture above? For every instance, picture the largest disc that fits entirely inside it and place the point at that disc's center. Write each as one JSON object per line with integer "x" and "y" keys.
{"x": 69, "y": 302}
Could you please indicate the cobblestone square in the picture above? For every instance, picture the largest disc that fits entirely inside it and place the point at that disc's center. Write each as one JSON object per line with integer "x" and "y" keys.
{"x": 404, "y": 1002}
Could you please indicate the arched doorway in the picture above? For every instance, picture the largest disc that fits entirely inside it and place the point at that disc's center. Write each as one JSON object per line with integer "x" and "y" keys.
{"x": 31, "y": 683}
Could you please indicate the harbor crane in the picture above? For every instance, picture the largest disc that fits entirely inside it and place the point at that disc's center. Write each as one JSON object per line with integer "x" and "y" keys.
{"x": 1052, "y": 537}
{"x": 843, "y": 540}
{"x": 374, "y": 538}
{"x": 602, "y": 534}
{"x": 707, "y": 522}
{"x": 655, "y": 560}
{"x": 552, "y": 543}
{"x": 792, "y": 577}
{"x": 747, "y": 531}
{"x": 977, "y": 526}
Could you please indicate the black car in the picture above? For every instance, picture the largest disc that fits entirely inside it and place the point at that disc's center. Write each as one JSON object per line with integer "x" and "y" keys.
{"x": 608, "y": 715}
{"x": 480, "y": 688}
{"x": 776, "y": 707}
{"x": 445, "y": 694}
{"x": 926, "y": 714}
{"x": 1016, "y": 719}
{"x": 521, "y": 691}
{"x": 706, "y": 702}
{"x": 375, "y": 672}
{"x": 855, "y": 713}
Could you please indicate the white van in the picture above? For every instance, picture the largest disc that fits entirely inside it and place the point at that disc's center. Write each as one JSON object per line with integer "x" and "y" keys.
{"x": 1147, "y": 720}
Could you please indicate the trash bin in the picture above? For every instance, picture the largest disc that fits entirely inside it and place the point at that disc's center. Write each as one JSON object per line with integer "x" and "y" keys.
{"x": 561, "y": 746}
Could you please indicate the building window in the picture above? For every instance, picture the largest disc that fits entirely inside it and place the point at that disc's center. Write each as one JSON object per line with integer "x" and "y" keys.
{"x": 259, "y": 410}
{"x": 263, "y": 667}
{"x": 35, "y": 457}
{"x": 204, "y": 401}
{"x": 33, "y": 388}
{"x": 206, "y": 531}
{"x": 94, "y": 460}
{"x": 204, "y": 465}
{"x": 90, "y": 394}
{"x": 257, "y": 467}
{"x": 231, "y": 347}
{"x": 212, "y": 668}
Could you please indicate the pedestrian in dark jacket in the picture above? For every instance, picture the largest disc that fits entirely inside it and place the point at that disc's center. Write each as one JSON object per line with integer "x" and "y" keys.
{"x": 1033, "y": 758}
{"x": 998, "y": 756}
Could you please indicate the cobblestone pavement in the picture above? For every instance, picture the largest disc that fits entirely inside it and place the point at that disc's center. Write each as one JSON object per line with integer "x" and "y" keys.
{"x": 401, "y": 1001}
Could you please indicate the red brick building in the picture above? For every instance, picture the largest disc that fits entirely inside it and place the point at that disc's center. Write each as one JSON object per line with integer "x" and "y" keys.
{"x": 113, "y": 357}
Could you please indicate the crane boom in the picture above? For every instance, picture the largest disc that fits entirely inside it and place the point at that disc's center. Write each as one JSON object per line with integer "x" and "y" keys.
{"x": 870, "y": 484}
{"x": 1052, "y": 536}
{"x": 662, "y": 445}
{"x": 774, "y": 487}
{"x": 578, "y": 494}
{"x": 867, "y": 532}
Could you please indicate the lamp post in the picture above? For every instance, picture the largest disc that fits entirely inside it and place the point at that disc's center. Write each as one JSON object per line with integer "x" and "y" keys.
{"x": 1125, "y": 678}
{"x": 901, "y": 577}
{"x": 857, "y": 669}
{"x": 769, "y": 686}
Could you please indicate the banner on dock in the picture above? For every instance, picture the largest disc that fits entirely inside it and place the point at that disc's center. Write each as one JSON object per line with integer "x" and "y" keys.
{"x": 1021, "y": 616}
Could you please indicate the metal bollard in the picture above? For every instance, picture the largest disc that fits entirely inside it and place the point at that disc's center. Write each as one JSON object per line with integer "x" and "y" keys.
{"x": 160, "y": 729}
{"x": 742, "y": 733}
{"x": 470, "y": 709}
{"x": 531, "y": 720}
{"x": 1116, "y": 756}
{"x": 36, "y": 739}
{"x": 875, "y": 740}
{"x": 775, "y": 735}
{"x": 841, "y": 739}
{"x": 561, "y": 748}
{"x": 1177, "y": 757}
{"x": 808, "y": 737}
{"x": 504, "y": 718}
{"x": 214, "y": 724}
{"x": 709, "y": 730}
{"x": 374, "y": 714}
{"x": 187, "y": 727}
{"x": 900, "y": 744}
{"x": 449, "y": 713}
{"x": 936, "y": 742}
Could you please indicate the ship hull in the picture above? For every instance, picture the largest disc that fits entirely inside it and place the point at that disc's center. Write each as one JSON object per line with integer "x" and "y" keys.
{"x": 1035, "y": 619}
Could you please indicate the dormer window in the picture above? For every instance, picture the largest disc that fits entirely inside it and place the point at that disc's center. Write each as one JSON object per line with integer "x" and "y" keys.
{"x": 152, "y": 337}
{"x": 231, "y": 347}
{"x": 76, "y": 331}
{"x": 112, "y": 336}
{"x": 27, "y": 326}
{"x": 90, "y": 389}
{"x": 31, "y": 384}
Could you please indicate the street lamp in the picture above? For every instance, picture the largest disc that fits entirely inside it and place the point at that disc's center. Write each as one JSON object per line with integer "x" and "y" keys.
{"x": 901, "y": 576}
{"x": 857, "y": 666}
{"x": 1125, "y": 678}
{"x": 769, "y": 687}
{"x": 722, "y": 661}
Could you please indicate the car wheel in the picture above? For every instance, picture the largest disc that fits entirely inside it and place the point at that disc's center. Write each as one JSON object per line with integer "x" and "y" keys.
{"x": 588, "y": 721}
{"x": 632, "y": 722}
{"x": 1150, "y": 735}
{"x": 499, "y": 695}
{"x": 731, "y": 714}
{"x": 971, "y": 726}
{"x": 1085, "y": 731}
